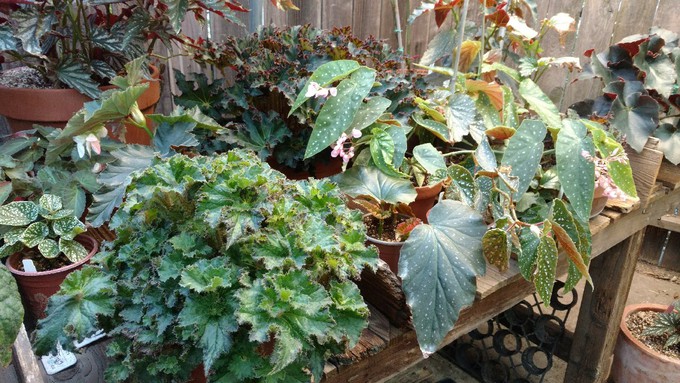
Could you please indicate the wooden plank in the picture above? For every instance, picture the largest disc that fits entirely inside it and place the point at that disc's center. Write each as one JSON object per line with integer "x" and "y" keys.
{"x": 645, "y": 165}
{"x": 366, "y": 18}
{"x": 669, "y": 222}
{"x": 669, "y": 175}
{"x": 309, "y": 13}
{"x": 419, "y": 32}
{"x": 25, "y": 362}
{"x": 666, "y": 17}
{"x": 654, "y": 241}
{"x": 337, "y": 13}
{"x": 623, "y": 205}
{"x": 633, "y": 17}
{"x": 387, "y": 23}
{"x": 599, "y": 223}
{"x": 601, "y": 311}
{"x": 594, "y": 31}
{"x": 612, "y": 214}
{"x": 383, "y": 290}
{"x": 9, "y": 374}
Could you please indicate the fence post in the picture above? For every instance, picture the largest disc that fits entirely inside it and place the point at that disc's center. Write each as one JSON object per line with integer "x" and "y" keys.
{"x": 256, "y": 15}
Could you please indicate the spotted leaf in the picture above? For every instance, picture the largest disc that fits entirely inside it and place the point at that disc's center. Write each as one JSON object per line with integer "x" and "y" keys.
{"x": 325, "y": 75}
{"x": 496, "y": 248}
{"x": 20, "y": 213}
{"x": 523, "y": 154}
{"x": 439, "y": 264}
{"x": 546, "y": 265}
{"x": 576, "y": 174}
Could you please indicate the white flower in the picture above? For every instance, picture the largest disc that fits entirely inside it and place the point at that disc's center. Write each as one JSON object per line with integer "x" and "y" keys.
{"x": 316, "y": 90}
{"x": 90, "y": 142}
{"x": 521, "y": 28}
{"x": 356, "y": 133}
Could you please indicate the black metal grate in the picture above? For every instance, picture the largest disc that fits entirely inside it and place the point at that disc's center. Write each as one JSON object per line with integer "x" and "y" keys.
{"x": 518, "y": 345}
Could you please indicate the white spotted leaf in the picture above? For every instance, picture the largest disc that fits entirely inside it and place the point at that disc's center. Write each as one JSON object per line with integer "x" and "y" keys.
{"x": 524, "y": 152}
{"x": 325, "y": 75}
{"x": 73, "y": 250}
{"x": 496, "y": 248}
{"x": 19, "y": 213}
{"x": 576, "y": 173}
{"x": 546, "y": 265}
{"x": 540, "y": 103}
{"x": 438, "y": 265}
{"x": 338, "y": 112}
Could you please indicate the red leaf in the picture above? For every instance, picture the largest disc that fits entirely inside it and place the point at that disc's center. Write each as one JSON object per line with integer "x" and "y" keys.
{"x": 235, "y": 6}
{"x": 500, "y": 18}
{"x": 632, "y": 43}
{"x": 589, "y": 52}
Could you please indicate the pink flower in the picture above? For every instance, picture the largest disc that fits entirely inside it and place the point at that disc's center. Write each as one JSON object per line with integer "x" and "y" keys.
{"x": 90, "y": 142}
{"x": 316, "y": 90}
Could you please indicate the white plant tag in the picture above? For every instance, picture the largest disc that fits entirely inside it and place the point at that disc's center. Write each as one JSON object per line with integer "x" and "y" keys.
{"x": 59, "y": 362}
{"x": 90, "y": 339}
{"x": 29, "y": 267}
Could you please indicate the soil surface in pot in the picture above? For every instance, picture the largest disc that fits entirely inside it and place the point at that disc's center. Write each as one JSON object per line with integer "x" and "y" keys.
{"x": 640, "y": 320}
{"x": 389, "y": 232}
{"x": 44, "y": 264}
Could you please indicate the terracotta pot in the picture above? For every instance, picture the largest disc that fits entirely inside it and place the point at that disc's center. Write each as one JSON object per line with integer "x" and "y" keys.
{"x": 36, "y": 288}
{"x": 197, "y": 375}
{"x": 320, "y": 169}
{"x": 54, "y": 107}
{"x": 599, "y": 202}
{"x": 427, "y": 196}
{"x": 388, "y": 252}
{"x": 634, "y": 362}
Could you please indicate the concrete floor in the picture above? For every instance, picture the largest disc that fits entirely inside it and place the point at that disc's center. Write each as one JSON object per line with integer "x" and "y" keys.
{"x": 650, "y": 284}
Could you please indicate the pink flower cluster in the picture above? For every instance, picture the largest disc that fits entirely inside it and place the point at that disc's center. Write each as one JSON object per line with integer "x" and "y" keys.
{"x": 603, "y": 180}
{"x": 343, "y": 146}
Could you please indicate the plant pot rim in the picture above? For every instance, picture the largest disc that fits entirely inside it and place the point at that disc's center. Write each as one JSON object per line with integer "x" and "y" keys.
{"x": 155, "y": 75}
{"x": 80, "y": 238}
{"x": 381, "y": 242}
{"x": 631, "y": 309}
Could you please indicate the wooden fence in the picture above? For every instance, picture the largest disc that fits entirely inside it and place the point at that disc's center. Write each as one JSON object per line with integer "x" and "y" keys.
{"x": 599, "y": 23}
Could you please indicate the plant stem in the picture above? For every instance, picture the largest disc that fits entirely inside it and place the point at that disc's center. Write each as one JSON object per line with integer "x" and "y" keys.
{"x": 397, "y": 30}
{"x": 456, "y": 62}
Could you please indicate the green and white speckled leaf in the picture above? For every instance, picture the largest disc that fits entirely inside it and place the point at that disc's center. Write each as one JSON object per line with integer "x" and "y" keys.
{"x": 485, "y": 156}
{"x": 429, "y": 158}
{"x": 337, "y": 113}
{"x": 496, "y": 248}
{"x": 524, "y": 152}
{"x": 527, "y": 258}
{"x": 20, "y": 213}
{"x": 325, "y": 75}
{"x": 73, "y": 250}
{"x": 382, "y": 149}
{"x": 11, "y": 315}
{"x": 435, "y": 127}
{"x": 546, "y": 265}
{"x": 369, "y": 112}
{"x": 463, "y": 187}
{"x": 48, "y": 248}
{"x": 398, "y": 135}
{"x": 577, "y": 174}
{"x": 50, "y": 203}
{"x": 439, "y": 264}
{"x": 68, "y": 227}
{"x": 34, "y": 233}
{"x": 540, "y": 103}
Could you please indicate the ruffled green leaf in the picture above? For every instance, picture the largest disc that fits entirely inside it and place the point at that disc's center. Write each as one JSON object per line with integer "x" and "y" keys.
{"x": 11, "y": 315}
{"x": 372, "y": 182}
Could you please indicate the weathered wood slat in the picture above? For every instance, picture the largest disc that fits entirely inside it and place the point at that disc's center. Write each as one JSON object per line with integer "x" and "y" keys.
{"x": 25, "y": 362}
{"x": 668, "y": 222}
{"x": 645, "y": 165}
{"x": 669, "y": 175}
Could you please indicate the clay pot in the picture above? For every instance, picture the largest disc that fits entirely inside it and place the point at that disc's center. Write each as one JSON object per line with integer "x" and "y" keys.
{"x": 320, "y": 169}
{"x": 197, "y": 375}
{"x": 599, "y": 202}
{"x": 427, "y": 196}
{"x": 36, "y": 288}
{"x": 54, "y": 107}
{"x": 634, "y": 362}
{"x": 388, "y": 252}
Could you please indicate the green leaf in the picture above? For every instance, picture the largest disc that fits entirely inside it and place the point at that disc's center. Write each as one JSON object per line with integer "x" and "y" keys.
{"x": 440, "y": 130}
{"x": 659, "y": 70}
{"x": 77, "y": 76}
{"x": 20, "y": 213}
{"x": 398, "y": 135}
{"x": 577, "y": 174}
{"x": 7, "y": 40}
{"x": 102, "y": 69}
{"x": 68, "y": 227}
{"x": 441, "y": 45}
{"x": 485, "y": 156}
{"x": 209, "y": 275}
{"x": 540, "y": 103}
{"x": 669, "y": 143}
{"x": 463, "y": 187}
{"x": 74, "y": 251}
{"x": 169, "y": 135}
{"x": 635, "y": 113}
{"x": 260, "y": 132}
{"x": 337, "y": 113}
{"x": 621, "y": 173}
{"x": 176, "y": 11}
{"x": 50, "y": 203}
{"x": 527, "y": 257}
{"x": 325, "y": 75}
{"x": 546, "y": 265}
{"x": 101, "y": 38}
{"x": 524, "y": 153}
{"x": 32, "y": 24}
{"x": 72, "y": 312}
{"x": 496, "y": 248}
{"x": 429, "y": 158}
{"x": 439, "y": 264}
{"x": 34, "y": 234}
{"x": 372, "y": 182}
{"x": 369, "y": 112}
{"x": 11, "y": 315}
{"x": 48, "y": 248}
{"x": 382, "y": 152}
{"x": 460, "y": 114}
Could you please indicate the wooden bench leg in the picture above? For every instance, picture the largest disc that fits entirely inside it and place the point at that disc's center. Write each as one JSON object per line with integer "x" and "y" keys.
{"x": 601, "y": 310}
